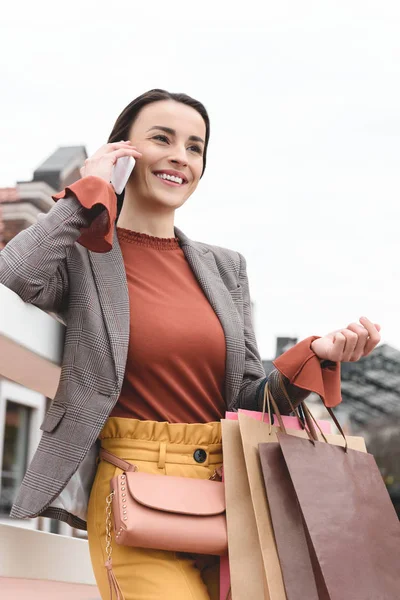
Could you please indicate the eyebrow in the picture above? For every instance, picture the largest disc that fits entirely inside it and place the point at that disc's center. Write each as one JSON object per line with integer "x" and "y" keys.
{"x": 192, "y": 138}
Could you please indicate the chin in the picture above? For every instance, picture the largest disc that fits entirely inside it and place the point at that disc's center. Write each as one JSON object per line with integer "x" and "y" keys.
{"x": 168, "y": 200}
{"x": 173, "y": 205}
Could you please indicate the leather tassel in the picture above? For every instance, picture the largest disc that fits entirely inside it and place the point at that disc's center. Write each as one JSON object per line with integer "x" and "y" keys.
{"x": 113, "y": 583}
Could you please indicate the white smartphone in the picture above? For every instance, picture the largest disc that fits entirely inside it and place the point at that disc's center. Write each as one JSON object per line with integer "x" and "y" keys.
{"x": 121, "y": 172}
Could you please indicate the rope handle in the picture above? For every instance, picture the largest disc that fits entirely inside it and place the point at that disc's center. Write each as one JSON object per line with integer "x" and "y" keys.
{"x": 269, "y": 399}
{"x": 310, "y": 417}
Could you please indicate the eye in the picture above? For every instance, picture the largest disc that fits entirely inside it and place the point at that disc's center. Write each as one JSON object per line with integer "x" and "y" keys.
{"x": 196, "y": 148}
{"x": 161, "y": 138}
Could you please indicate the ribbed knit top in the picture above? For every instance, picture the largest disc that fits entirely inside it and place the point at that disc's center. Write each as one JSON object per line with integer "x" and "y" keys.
{"x": 143, "y": 239}
{"x": 176, "y": 357}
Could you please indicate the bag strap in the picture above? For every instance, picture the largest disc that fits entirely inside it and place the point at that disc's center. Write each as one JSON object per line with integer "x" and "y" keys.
{"x": 308, "y": 420}
{"x": 310, "y": 417}
{"x": 117, "y": 462}
{"x": 269, "y": 401}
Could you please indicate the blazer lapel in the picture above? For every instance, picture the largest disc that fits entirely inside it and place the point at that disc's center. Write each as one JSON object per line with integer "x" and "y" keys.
{"x": 112, "y": 287}
{"x": 206, "y": 271}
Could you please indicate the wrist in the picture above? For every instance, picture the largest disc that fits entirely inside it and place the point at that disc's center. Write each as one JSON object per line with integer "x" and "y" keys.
{"x": 324, "y": 362}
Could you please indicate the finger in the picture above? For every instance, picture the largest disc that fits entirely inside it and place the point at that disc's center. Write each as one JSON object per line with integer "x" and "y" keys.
{"x": 111, "y": 147}
{"x": 362, "y": 335}
{"x": 116, "y": 145}
{"x": 351, "y": 343}
{"x": 373, "y": 333}
{"x": 108, "y": 148}
{"x": 338, "y": 346}
{"x": 126, "y": 152}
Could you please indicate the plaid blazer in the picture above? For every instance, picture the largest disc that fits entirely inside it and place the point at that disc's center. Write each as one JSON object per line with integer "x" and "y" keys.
{"x": 46, "y": 267}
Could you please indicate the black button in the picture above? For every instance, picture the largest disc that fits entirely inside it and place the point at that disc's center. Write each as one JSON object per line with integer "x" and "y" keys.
{"x": 200, "y": 455}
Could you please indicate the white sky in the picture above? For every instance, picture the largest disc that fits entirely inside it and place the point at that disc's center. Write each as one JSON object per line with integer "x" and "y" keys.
{"x": 303, "y": 165}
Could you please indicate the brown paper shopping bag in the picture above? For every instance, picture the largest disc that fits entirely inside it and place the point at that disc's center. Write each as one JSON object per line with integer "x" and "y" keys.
{"x": 329, "y": 498}
{"x": 254, "y": 433}
{"x": 245, "y": 559}
{"x": 300, "y": 569}
{"x": 349, "y": 517}
{"x": 290, "y": 535}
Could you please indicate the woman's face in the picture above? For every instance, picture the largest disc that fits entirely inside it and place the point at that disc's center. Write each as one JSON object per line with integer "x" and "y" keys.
{"x": 170, "y": 136}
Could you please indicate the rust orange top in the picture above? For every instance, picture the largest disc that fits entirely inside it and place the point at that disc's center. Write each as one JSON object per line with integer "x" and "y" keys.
{"x": 167, "y": 378}
{"x": 176, "y": 356}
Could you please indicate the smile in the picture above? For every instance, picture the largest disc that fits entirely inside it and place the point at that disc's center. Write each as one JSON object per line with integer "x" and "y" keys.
{"x": 170, "y": 179}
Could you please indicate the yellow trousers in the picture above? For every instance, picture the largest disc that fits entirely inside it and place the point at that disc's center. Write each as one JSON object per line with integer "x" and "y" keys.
{"x": 184, "y": 450}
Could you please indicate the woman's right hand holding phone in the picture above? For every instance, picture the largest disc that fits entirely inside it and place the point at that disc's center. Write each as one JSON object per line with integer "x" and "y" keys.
{"x": 101, "y": 163}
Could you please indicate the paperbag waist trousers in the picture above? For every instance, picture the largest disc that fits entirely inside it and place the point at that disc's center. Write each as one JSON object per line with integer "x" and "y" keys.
{"x": 183, "y": 450}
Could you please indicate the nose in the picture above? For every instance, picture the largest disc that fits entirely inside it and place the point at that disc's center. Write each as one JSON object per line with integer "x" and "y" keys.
{"x": 179, "y": 157}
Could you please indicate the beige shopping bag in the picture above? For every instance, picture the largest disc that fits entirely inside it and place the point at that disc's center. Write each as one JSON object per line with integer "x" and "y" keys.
{"x": 245, "y": 559}
{"x": 253, "y": 433}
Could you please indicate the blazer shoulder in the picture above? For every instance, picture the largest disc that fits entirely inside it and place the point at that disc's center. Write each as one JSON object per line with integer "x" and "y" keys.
{"x": 227, "y": 261}
{"x": 222, "y": 255}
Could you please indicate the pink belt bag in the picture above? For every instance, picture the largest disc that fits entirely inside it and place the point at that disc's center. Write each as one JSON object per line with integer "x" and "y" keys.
{"x": 181, "y": 514}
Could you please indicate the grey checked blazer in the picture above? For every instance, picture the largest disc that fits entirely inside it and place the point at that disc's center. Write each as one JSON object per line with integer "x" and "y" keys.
{"x": 46, "y": 267}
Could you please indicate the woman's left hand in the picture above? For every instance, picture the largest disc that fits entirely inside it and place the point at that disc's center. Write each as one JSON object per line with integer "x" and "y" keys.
{"x": 350, "y": 344}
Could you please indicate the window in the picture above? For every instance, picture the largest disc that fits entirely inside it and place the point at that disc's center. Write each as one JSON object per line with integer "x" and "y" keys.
{"x": 21, "y": 412}
{"x": 15, "y": 452}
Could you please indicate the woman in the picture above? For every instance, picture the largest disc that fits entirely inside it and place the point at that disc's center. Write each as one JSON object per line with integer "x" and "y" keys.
{"x": 159, "y": 339}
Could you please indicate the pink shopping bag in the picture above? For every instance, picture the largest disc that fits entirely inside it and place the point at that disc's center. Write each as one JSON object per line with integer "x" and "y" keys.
{"x": 290, "y": 423}
{"x": 224, "y": 578}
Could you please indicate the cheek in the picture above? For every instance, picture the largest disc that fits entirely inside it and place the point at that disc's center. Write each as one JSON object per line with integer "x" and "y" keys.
{"x": 197, "y": 173}
{"x": 144, "y": 166}
{"x": 149, "y": 155}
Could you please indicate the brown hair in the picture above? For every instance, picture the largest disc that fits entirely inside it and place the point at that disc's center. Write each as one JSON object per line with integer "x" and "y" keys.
{"x": 130, "y": 113}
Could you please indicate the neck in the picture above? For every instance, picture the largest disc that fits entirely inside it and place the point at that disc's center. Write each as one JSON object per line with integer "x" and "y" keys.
{"x": 154, "y": 221}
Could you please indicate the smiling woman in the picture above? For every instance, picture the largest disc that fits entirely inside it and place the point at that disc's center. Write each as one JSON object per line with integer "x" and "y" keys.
{"x": 174, "y": 131}
{"x": 170, "y": 136}
{"x": 159, "y": 344}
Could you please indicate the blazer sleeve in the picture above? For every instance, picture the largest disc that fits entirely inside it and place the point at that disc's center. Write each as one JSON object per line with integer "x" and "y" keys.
{"x": 98, "y": 196}
{"x": 300, "y": 364}
{"x": 33, "y": 264}
{"x": 250, "y": 396}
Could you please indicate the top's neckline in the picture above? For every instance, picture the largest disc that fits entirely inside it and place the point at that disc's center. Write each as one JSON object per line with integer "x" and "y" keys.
{"x": 143, "y": 239}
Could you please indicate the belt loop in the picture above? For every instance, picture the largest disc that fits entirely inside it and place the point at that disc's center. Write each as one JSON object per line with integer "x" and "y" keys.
{"x": 161, "y": 458}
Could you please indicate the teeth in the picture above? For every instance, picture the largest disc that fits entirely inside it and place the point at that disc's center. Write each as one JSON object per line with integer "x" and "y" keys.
{"x": 170, "y": 178}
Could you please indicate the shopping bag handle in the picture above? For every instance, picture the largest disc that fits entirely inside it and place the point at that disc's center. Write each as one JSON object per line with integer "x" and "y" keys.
{"x": 268, "y": 400}
{"x": 267, "y": 405}
{"x": 335, "y": 420}
{"x": 310, "y": 417}
{"x": 307, "y": 413}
